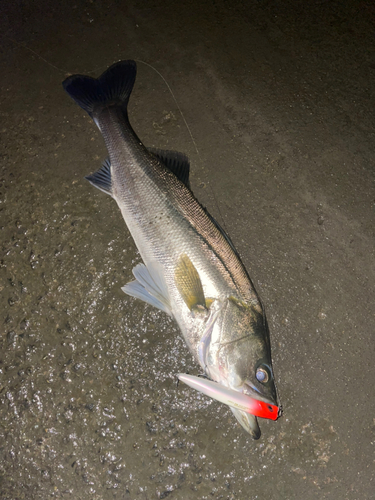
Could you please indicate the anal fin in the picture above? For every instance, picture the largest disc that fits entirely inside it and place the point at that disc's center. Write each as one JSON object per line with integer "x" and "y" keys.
{"x": 102, "y": 178}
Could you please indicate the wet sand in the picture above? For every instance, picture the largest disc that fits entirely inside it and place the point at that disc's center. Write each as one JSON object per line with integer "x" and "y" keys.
{"x": 279, "y": 102}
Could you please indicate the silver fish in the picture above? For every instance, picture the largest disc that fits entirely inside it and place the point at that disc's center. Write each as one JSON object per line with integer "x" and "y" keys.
{"x": 190, "y": 269}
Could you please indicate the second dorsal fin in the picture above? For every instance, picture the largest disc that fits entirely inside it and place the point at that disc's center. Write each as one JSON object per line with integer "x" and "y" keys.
{"x": 177, "y": 163}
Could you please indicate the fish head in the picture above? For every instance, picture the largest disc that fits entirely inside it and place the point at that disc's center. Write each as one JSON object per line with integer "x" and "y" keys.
{"x": 240, "y": 355}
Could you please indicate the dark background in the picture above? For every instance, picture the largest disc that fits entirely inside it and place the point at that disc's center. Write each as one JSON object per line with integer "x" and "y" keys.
{"x": 279, "y": 100}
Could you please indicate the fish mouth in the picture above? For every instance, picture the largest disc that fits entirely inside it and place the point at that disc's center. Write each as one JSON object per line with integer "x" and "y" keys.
{"x": 250, "y": 390}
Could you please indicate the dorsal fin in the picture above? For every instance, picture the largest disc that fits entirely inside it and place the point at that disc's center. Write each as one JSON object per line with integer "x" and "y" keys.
{"x": 177, "y": 163}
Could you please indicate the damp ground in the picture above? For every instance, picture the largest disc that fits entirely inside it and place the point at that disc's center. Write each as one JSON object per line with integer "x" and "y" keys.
{"x": 279, "y": 101}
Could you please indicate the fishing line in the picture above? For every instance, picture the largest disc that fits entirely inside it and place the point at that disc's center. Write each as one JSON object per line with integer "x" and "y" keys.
{"x": 33, "y": 52}
{"x": 175, "y": 100}
{"x": 19, "y": 44}
{"x": 164, "y": 80}
{"x": 96, "y": 69}
{"x": 190, "y": 133}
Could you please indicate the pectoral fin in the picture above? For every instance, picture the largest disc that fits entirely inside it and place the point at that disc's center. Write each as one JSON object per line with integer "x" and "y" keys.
{"x": 189, "y": 284}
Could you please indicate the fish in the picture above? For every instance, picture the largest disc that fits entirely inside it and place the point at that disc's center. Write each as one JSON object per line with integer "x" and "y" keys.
{"x": 190, "y": 268}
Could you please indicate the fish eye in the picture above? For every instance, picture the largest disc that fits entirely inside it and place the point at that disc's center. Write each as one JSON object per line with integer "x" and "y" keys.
{"x": 262, "y": 375}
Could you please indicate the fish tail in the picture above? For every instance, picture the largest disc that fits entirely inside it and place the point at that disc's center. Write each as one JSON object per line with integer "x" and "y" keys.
{"x": 113, "y": 87}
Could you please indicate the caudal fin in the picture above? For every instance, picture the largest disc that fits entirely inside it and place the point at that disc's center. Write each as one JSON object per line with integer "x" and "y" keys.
{"x": 114, "y": 86}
